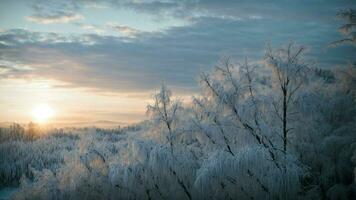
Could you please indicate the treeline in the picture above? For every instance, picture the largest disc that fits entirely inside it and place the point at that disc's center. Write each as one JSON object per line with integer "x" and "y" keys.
{"x": 19, "y": 132}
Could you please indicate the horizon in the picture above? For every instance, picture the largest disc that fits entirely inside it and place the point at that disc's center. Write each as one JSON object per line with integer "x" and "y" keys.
{"x": 103, "y": 60}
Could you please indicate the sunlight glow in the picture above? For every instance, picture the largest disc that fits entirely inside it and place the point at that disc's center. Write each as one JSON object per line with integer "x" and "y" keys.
{"x": 42, "y": 113}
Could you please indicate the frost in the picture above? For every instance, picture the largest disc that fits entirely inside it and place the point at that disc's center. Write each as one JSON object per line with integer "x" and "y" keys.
{"x": 230, "y": 142}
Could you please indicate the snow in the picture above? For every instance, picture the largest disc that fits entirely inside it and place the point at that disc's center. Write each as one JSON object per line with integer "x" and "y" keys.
{"x": 227, "y": 144}
{"x": 7, "y": 192}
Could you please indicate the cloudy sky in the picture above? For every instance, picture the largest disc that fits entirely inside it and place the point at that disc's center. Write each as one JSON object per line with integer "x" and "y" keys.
{"x": 100, "y": 60}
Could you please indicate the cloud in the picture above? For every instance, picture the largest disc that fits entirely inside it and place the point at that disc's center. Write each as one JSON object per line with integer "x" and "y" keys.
{"x": 191, "y": 10}
{"x": 123, "y": 30}
{"x": 91, "y": 27}
{"x": 112, "y": 28}
{"x": 51, "y": 11}
{"x": 95, "y": 5}
{"x": 134, "y": 61}
{"x": 176, "y": 56}
{"x": 54, "y": 19}
{"x": 18, "y": 37}
{"x": 9, "y": 69}
{"x": 244, "y": 9}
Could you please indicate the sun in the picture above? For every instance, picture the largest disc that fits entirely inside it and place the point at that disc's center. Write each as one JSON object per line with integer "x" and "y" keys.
{"x": 42, "y": 113}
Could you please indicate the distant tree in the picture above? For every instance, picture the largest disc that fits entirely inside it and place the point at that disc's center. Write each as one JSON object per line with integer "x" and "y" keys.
{"x": 13, "y": 132}
{"x": 348, "y": 29}
{"x": 17, "y": 131}
{"x": 32, "y": 130}
{"x": 348, "y": 75}
{"x": 164, "y": 111}
{"x": 325, "y": 139}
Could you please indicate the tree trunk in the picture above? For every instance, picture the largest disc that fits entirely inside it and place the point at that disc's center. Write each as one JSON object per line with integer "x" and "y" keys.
{"x": 285, "y": 132}
{"x": 170, "y": 136}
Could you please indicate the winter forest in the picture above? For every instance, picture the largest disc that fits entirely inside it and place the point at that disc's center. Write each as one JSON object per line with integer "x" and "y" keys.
{"x": 280, "y": 127}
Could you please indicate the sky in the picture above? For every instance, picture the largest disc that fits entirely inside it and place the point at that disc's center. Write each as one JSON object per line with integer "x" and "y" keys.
{"x": 102, "y": 60}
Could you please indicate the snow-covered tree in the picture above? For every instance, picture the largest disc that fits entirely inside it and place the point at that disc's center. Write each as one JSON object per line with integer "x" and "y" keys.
{"x": 289, "y": 73}
{"x": 238, "y": 139}
{"x": 325, "y": 140}
{"x": 232, "y": 90}
{"x": 348, "y": 29}
{"x": 164, "y": 110}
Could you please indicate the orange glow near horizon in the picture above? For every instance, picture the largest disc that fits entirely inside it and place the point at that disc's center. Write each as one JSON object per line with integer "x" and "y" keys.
{"x": 42, "y": 113}
{"x": 53, "y": 102}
